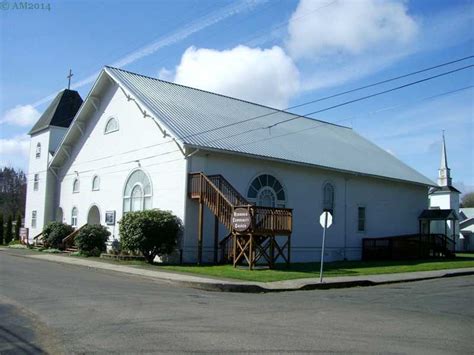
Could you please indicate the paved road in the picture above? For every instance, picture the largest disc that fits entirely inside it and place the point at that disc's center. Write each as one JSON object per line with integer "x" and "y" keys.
{"x": 71, "y": 309}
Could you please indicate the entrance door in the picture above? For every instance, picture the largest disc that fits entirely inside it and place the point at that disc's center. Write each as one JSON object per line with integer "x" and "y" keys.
{"x": 93, "y": 216}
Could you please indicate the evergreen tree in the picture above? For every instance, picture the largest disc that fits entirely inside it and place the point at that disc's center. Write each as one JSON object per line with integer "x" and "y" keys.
{"x": 8, "y": 230}
{"x": 17, "y": 227}
{"x": 1, "y": 228}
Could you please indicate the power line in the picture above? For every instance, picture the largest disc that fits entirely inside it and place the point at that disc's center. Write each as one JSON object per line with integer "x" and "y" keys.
{"x": 329, "y": 97}
{"x": 316, "y": 125}
{"x": 295, "y": 116}
{"x": 352, "y": 117}
{"x": 296, "y": 106}
{"x": 308, "y": 114}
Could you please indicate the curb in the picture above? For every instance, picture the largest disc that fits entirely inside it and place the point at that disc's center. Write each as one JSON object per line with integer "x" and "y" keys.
{"x": 247, "y": 288}
{"x": 236, "y": 287}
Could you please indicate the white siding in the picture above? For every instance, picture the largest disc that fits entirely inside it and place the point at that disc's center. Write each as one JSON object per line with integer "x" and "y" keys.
{"x": 392, "y": 208}
{"x": 113, "y": 157}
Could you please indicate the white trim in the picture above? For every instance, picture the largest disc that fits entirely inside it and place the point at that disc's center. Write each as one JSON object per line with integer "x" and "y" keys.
{"x": 74, "y": 191}
{"x": 293, "y": 162}
{"x": 93, "y": 178}
{"x": 88, "y": 211}
{"x": 276, "y": 177}
{"x": 109, "y": 119}
{"x": 77, "y": 216}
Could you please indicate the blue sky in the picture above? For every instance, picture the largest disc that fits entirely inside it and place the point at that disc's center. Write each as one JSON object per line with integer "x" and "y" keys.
{"x": 279, "y": 52}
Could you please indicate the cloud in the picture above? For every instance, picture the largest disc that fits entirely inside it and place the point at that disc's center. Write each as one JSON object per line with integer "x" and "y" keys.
{"x": 265, "y": 76}
{"x": 348, "y": 27}
{"x": 172, "y": 38}
{"x": 14, "y": 151}
{"x": 21, "y": 115}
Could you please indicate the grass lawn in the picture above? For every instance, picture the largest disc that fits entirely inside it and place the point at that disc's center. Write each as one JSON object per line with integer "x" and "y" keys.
{"x": 339, "y": 268}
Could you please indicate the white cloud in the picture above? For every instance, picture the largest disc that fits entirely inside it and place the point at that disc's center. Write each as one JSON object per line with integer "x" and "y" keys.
{"x": 14, "y": 151}
{"x": 265, "y": 76}
{"x": 21, "y": 115}
{"x": 348, "y": 27}
{"x": 169, "y": 39}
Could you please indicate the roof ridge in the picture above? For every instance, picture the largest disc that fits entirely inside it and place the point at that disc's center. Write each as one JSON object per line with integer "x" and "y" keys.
{"x": 230, "y": 97}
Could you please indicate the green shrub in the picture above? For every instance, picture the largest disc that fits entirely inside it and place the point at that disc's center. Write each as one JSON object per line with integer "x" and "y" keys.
{"x": 152, "y": 232}
{"x": 91, "y": 239}
{"x": 54, "y": 233}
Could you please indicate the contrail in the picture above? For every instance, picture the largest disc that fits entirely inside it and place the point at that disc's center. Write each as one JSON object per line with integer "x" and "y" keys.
{"x": 170, "y": 39}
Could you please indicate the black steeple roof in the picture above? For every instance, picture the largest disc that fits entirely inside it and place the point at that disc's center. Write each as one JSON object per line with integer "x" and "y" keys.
{"x": 60, "y": 112}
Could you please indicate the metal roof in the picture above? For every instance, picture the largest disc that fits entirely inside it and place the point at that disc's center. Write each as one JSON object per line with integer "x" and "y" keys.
{"x": 438, "y": 214}
{"x": 443, "y": 189}
{"x": 60, "y": 112}
{"x": 189, "y": 112}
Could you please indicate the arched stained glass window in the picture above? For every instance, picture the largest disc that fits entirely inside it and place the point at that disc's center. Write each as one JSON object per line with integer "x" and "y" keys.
{"x": 111, "y": 125}
{"x": 265, "y": 190}
{"x": 137, "y": 194}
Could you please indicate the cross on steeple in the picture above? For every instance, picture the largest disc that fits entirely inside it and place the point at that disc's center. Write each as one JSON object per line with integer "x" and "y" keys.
{"x": 69, "y": 79}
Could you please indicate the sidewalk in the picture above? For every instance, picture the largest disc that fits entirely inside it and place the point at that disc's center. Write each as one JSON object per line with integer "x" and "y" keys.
{"x": 212, "y": 284}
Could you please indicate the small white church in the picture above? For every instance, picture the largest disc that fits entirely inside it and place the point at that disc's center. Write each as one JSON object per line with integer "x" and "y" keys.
{"x": 138, "y": 143}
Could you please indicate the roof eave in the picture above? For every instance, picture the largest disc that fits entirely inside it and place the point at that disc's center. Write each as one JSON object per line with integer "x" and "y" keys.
{"x": 74, "y": 121}
{"x": 280, "y": 160}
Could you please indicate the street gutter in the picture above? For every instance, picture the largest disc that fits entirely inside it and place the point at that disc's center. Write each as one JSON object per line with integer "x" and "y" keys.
{"x": 220, "y": 285}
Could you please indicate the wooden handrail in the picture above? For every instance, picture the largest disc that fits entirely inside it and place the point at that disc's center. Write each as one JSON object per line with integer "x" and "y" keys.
{"x": 39, "y": 235}
{"x": 70, "y": 237}
{"x": 222, "y": 198}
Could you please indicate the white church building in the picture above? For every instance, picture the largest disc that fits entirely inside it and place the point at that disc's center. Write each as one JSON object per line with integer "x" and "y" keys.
{"x": 139, "y": 143}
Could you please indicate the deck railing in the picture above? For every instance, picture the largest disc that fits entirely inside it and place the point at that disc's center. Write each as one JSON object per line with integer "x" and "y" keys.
{"x": 222, "y": 198}
{"x": 410, "y": 246}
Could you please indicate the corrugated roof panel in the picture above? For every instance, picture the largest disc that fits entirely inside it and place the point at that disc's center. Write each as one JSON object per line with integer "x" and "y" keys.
{"x": 195, "y": 116}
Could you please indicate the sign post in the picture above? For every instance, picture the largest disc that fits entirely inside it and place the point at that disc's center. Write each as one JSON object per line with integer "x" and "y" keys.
{"x": 325, "y": 220}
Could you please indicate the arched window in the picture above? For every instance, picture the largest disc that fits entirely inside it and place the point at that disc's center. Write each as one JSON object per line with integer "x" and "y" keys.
{"x": 74, "y": 213}
{"x": 111, "y": 125}
{"x": 137, "y": 194}
{"x": 328, "y": 197}
{"x": 38, "y": 150}
{"x": 75, "y": 186}
{"x": 95, "y": 183}
{"x": 265, "y": 190}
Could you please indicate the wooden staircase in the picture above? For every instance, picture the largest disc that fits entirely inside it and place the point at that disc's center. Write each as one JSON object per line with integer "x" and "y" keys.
{"x": 68, "y": 242}
{"x": 261, "y": 241}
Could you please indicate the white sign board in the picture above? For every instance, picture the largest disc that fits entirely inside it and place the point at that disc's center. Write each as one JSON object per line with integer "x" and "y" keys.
{"x": 322, "y": 219}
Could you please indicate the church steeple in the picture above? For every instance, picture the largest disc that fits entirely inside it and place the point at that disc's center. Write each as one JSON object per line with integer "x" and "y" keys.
{"x": 444, "y": 173}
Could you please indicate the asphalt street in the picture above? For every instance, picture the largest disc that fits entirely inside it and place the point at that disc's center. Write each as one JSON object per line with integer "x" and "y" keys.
{"x": 56, "y": 308}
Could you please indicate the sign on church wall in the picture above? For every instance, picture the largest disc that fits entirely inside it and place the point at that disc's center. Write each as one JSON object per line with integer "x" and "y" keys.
{"x": 110, "y": 218}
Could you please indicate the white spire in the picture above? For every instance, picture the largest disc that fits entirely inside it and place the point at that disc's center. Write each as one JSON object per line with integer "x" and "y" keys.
{"x": 444, "y": 173}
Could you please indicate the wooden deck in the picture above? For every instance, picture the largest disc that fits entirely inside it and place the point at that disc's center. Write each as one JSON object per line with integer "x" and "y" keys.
{"x": 259, "y": 241}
